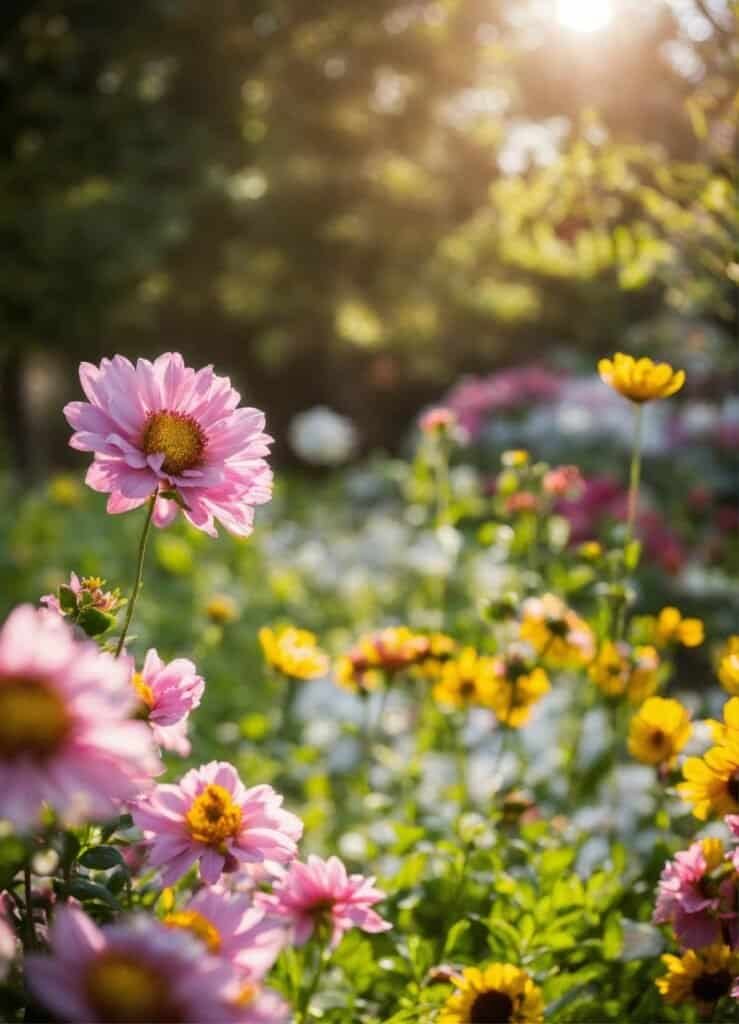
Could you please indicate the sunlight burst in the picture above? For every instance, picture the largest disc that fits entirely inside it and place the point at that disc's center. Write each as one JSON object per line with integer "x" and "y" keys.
{"x": 584, "y": 15}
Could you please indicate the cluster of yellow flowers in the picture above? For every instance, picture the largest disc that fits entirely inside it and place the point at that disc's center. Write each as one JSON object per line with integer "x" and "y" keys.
{"x": 558, "y": 635}
{"x": 390, "y": 651}
{"x": 507, "y": 684}
{"x": 293, "y": 652}
{"x": 622, "y": 670}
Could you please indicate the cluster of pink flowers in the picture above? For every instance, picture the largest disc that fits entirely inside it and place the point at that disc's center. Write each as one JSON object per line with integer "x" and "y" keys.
{"x": 601, "y": 499}
{"x": 475, "y": 399}
{"x": 698, "y": 893}
{"x": 79, "y": 732}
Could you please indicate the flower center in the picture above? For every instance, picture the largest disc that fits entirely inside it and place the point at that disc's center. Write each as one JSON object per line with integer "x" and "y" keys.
{"x": 245, "y": 996}
{"x": 33, "y": 719}
{"x": 707, "y": 988}
{"x": 491, "y": 1008}
{"x": 198, "y": 925}
{"x": 143, "y": 689}
{"x": 213, "y": 817}
{"x": 178, "y": 437}
{"x": 733, "y": 787}
{"x": 467, "y": 688}
{"x": 125, "y": 991}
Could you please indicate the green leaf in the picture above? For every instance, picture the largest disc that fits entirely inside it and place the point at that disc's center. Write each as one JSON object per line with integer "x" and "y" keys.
{"x": 632, "y": 554}
{"x": 83, "y": 889}
{"x": 454, "y": 935}
{"x": 101, "y": 858}
{"x": 94, "y": 622}
{"x": 612, "y": 936}
{"x": 67, "y": 599}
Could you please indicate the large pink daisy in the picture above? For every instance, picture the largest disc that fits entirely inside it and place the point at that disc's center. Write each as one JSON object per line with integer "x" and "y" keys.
{"x": 211, "y": 817}
{"x": 67, "y": 735}
{"x": 163, "y": 426}
{"x": 321, "y": 891}
{"x": 135, "y": 972}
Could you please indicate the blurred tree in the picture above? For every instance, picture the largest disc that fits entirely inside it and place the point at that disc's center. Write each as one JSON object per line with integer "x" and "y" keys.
{"x": 354, "y": 204}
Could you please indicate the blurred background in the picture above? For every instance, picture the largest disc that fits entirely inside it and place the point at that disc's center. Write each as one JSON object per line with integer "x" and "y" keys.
{"x": 356, "y": 205}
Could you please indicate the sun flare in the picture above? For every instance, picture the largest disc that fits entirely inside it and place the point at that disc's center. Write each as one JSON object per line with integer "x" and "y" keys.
{"x": 584, "y": 15}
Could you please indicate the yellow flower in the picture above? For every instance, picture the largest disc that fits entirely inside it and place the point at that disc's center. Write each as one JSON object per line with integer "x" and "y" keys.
{"x": 723, "y": 731}
{"x": 391, "y": 650}
{"x": 659, "y": 731}
{"x": 221, "y": 609}
{"x": 467, "y": 679}
{"x": 515, "y": 458}
{"x": 65, "y": 490}
{"x": 699, "y": 976}
{"x": 517, "y": 690}
{"x": 620, "y": 670}
{"x": 670, "y": 627}
{"x": 712, "y": 781}
{"x": 499, "y": 993}
{"x": 640, "y": 380}
{"x": 293, "y": 652}
{"x": 728, "y": 666}
{"x": 557, "y": 634}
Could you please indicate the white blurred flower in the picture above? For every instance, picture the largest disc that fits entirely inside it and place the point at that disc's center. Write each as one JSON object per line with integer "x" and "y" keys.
{"x": 322, "y": 437}
{"x": 641, "y": 941}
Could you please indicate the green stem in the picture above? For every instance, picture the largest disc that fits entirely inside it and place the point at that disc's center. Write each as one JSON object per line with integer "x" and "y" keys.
{"x": 305, "y": 995}
{"x": 28, "y": 895}
{"x": 139, "y": 574}
{"x": 443, "y": 488}
{"x": 635, "y": 473}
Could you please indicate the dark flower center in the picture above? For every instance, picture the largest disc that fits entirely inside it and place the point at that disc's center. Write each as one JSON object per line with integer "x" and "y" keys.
{"x": 491, "y": 1008}
{"x": 33, "y": 719}
{"x": 733, "y": 787}
{"x": 707, "y": 988}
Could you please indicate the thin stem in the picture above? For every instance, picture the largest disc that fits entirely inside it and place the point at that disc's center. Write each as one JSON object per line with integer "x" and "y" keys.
{"x": 28, "y": 894}
{"x": 305, "y": 996}
{"x": 635, "y": 473}
{"x": 139, "y": 574}
{"x": 443, "y": 488}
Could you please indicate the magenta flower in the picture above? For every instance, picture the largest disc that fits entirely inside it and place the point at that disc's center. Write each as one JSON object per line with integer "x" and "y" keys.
{"x": 321, "y": 891}
{"x": 697, "y": 896}
{"x": 251, "y": 1003}
{"x": 168, "y": 693}
{"x": 210, "y": 817}
{"x": 67, "y": 738}
{"x": 231, "y": 926}
{"x": 137, "y": 972}
{"x": 163, "y": 426}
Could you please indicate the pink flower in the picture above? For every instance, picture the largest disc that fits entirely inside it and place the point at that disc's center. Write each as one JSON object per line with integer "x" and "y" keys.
{"x": 474, "y": 399}
{"x": 137, "y": 972}
{"x": 231, "y": 926}
{"x": 320, "y": 890}
{"x": 563, "y": 481}
{"x": 168, "y": 693}
{"x": 163, "y": 426}
{"x": 438, "y": 419}
{"x": 254, "y": 1004}
{"x": 8, "y": 938}
{"x": 89, "y": 589}
{"x": 66, "y": 735}
{"x": 697, "y": 897}
{"x": 212, "y": 818}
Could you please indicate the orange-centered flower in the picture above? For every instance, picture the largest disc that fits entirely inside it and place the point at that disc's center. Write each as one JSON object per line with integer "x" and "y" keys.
{"x": 33, "y": 719}
{"x": 178, "y": 437}
{"x": 213, "y": 816}
{"x": 199, "y": 925}
{"x": 125, "y": 990}
{"x": 640, "y": 380}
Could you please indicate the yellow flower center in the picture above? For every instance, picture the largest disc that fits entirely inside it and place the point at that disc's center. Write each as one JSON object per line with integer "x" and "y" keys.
{"x": 143, "y": 689}
{"x": 125, "y": 991}
{"x": 199, "y": 925}
{"x": 213, "y": 817}
{"x": 491, "y": 1007}
{"x": 245, "y": 996}
{"x": 178, "y": 437}
{"x": 33, "y": 719}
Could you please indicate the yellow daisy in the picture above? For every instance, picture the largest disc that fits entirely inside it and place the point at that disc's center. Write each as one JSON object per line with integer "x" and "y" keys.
{"x": 699, "y": 976}
{"x": 496, "y": 994}
{"x": 558, "y": 635}
{"x": 640, "y": 380}
{"x": 723, "y": 731}
{"x": 465, "y": 680}
{"x": 728, "y": 666}
{"x": 659, "y": 731}
{"x": 293, "y": 652}
{"x": 518, "y": 689}
{"x": 620, "y": 670}
{"x": 712, "y": 782}
{"x": 671, "y": 627}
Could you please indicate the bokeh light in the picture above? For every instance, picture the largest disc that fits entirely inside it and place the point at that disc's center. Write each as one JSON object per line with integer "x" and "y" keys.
{"x": 584, "y": 15}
